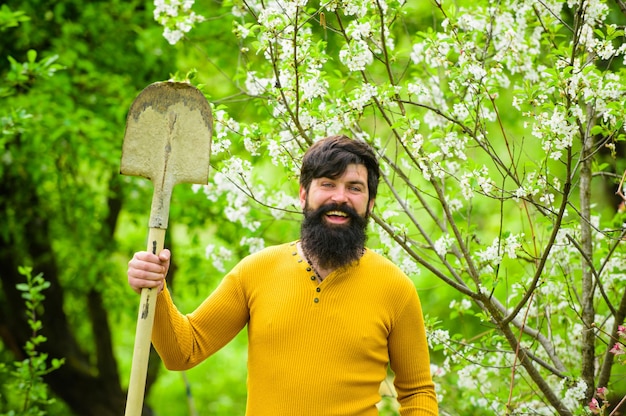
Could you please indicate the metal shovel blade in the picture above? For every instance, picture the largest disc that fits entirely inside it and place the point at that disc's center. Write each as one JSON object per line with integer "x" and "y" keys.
{"x": 167, "y": 140}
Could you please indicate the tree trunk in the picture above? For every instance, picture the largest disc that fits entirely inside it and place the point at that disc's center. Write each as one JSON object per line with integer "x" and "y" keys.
{"x": 588, "y": 310}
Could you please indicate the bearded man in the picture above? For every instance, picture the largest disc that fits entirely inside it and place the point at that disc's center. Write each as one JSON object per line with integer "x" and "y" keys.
{"x": 326, "y": 317}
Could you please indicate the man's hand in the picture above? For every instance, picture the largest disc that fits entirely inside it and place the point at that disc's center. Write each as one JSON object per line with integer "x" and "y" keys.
{"x": 148, "y": 270}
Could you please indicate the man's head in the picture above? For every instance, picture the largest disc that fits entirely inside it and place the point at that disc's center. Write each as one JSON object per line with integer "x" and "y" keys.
{"x": 338, "y": 186}
{"x": 330, "y": 157}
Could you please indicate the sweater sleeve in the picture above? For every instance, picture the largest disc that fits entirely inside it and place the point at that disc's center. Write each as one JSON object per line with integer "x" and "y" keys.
{"x": 410, "y": 361}
{"x": 184, "y": 341}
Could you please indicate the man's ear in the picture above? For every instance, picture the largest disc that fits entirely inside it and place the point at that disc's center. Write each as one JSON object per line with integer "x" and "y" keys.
{"x": 302, "y": 195}
{"x": 371, "y": 205}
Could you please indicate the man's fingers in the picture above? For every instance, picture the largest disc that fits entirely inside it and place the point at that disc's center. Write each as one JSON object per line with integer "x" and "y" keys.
{"x": 147, "y": 270}
{"x": 164, "y": 255}
{"x": 138, "y": 284}
{"x": 144, "y": 263}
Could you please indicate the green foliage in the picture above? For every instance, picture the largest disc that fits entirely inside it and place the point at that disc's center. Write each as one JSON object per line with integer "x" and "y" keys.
{"x": 25, "y": 392}
{"x": 10, "y": 18}
{"x": 22, "y": 75}
{"x": 69, "y": 73}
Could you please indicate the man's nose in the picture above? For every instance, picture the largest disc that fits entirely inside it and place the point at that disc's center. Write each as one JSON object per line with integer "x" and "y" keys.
{"x": 340, "y": 195}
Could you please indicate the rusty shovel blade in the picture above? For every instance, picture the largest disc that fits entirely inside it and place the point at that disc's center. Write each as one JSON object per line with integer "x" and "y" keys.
{"x": 168, "y": 141}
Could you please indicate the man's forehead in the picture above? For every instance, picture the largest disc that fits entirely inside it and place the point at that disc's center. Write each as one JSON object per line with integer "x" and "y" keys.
{"x": 350, "y": 169}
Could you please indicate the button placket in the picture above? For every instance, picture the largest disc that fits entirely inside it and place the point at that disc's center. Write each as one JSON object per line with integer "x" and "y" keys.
{"x": 313, "y": 277}
{"x": 318, "y": 290}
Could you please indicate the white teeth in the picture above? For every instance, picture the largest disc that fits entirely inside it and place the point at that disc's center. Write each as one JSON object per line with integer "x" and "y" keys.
{"x": 337, "y": 213}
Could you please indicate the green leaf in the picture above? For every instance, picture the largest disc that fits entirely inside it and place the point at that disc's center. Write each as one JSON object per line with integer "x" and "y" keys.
{"x": 32, "y": 56}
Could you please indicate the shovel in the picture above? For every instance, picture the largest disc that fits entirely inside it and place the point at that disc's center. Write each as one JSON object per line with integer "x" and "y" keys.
{"x": 167, "y": 140}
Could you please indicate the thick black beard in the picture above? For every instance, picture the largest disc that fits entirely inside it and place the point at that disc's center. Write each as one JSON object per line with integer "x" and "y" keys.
{"x": 333, "y": 246}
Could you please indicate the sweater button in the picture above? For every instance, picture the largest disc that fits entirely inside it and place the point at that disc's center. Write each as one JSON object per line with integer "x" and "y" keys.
{"x": 318, "y": 289}
{"x": 316, "y": 300}
{"x": 313, "y": 277}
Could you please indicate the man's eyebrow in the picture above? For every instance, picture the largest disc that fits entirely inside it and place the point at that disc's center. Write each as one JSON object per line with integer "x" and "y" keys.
{"x": 357, "y": 182}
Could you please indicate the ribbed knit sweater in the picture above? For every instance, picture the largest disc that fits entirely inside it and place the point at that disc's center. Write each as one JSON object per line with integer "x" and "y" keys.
{"x": 318, "y": 349}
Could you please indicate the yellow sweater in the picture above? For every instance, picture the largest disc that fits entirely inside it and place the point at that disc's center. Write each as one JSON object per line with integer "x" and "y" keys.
{"x": 314, "y": 349}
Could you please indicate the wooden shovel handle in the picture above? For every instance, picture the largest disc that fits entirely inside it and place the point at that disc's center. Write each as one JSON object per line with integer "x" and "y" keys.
{"x": 143, "y": 335}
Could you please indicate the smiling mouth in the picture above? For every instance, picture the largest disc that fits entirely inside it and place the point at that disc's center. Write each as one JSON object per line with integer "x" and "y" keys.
{"x": 337, "y": 217}
{"x": 337, "y": 214}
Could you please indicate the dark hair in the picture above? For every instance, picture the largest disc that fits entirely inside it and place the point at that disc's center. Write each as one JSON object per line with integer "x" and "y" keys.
{"x": 329, "y": 158}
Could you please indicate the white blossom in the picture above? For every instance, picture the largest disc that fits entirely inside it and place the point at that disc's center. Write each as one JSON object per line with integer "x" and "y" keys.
{"x": 442, "y": 244}
{"x": 356, "y": 55}
{"x": 218, "y": 256}
{"x": 574, "y": 394}
{"x": 255, "y": 244}
{"x": 512, "y": 244}
{"x": 176, "y": 18}
{"x": 491, "y": 254}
